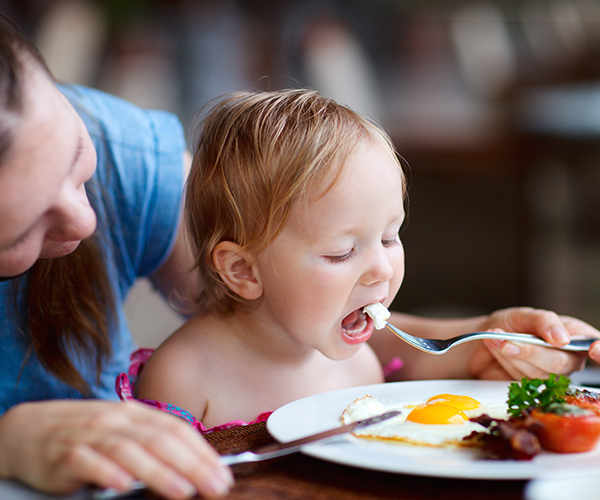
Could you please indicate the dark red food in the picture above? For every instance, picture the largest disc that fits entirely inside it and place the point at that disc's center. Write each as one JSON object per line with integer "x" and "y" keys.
{"x": 505, "y": 439}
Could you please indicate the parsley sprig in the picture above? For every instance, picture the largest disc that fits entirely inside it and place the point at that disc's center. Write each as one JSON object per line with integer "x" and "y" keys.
{"x": 536, "y": 393}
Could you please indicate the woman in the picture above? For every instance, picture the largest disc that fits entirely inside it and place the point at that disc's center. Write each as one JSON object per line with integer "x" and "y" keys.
{"x": 63, "y": 334}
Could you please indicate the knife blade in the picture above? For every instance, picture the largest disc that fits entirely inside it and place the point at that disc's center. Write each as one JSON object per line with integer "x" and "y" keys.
{"x": 263, "y": 453}
{"x": 280, "y": 449}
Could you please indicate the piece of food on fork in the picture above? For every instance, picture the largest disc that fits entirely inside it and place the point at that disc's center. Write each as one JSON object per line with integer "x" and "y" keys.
{"x": 378, "y": 313}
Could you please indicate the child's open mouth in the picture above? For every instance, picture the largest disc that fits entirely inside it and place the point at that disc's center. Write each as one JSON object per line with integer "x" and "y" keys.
{"x": 357, "y": 327}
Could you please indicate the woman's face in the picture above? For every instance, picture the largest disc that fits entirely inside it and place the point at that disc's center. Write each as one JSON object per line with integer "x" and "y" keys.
{"x": 44, "y": 209}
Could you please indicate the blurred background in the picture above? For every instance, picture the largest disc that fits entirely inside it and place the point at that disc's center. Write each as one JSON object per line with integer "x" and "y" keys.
{"x": 494, "y": 104}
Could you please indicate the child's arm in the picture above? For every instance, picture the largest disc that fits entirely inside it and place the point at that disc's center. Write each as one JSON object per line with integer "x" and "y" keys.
{"x": 485, "y": 359}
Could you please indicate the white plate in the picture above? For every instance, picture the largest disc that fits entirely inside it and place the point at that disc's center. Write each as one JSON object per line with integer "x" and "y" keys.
{"x": 585, "y": 488}
{"x": 322, "y": 411}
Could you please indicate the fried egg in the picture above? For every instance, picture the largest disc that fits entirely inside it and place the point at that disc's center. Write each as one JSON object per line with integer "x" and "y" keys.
{"x": 442, "y": 420}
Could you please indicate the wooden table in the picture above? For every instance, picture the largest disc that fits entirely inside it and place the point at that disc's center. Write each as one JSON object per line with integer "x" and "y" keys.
{"x": 302, "y": 477}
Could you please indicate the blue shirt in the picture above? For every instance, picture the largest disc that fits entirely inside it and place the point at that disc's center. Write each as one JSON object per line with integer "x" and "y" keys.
{"x": 140, "y": 176}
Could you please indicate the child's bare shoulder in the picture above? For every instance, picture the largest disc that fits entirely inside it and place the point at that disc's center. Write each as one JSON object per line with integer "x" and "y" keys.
{"x": 181, "y": 349}
{"x": 176, "y": 371}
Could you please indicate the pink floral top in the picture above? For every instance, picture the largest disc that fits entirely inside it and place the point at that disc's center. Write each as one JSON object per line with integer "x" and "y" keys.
{"x": 125, "y": 383}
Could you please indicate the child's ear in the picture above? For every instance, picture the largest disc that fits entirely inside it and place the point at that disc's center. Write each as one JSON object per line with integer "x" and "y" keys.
{"x": 237, "y": 270}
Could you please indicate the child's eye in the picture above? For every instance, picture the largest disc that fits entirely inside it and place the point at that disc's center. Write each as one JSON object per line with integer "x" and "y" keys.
{"x": 339, "y": 258}
{"x": 388, "y": 243}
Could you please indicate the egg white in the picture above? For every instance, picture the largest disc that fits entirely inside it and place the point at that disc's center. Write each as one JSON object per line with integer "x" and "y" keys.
{"x": 398, "y": 429}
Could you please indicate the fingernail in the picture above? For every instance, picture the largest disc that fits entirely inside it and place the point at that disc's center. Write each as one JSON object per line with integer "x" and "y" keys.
{"x": 559, "y": 335}
{"x": 595, "y": 351}
{"x": 181, "y": 487}
{"x": 226, "y": 475}
{"x": 122, "y": 481}
{"x": 222, "y": 481}
{"x": 511, "y": 350}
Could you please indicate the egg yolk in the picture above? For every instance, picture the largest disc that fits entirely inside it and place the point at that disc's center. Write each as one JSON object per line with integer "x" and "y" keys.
{"x": 436, "y": 414}
{"x": 459, "y": 402}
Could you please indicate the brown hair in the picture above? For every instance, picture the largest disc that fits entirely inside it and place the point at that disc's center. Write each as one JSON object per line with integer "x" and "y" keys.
{"x": 69, "y": 303}
{"x": 256, "y": 154}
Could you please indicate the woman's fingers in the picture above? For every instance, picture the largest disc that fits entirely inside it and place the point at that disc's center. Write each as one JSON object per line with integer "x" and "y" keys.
{"x": 483, "y": 365}
{"x": 167, "y": 454}
{"x": 578, "y": 327}
{"x": 83, "y": 465}
{"x": 544, "y": 324}
{"x": 162, "y": 477}
{"x": 595, "y": 351}
{"x": 554, "y": 329}
{"x": 512, "y": 371}
{"x": 521, "y": 360}
{"x": 60, "y": 446}
{"x": 175, "y": 462}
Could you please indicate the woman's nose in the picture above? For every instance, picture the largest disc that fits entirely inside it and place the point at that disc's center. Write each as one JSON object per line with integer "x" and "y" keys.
{"x": 73, "y": 217}
{"x": 380, "y": 269}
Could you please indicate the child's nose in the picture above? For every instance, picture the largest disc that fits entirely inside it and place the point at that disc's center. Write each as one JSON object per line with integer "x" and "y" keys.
{"x": 380, "y": 268}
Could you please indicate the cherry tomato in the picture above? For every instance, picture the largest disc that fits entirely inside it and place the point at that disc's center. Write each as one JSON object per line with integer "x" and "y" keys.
{"x": 566, "y": 433}
{"x": 589, "y": 401}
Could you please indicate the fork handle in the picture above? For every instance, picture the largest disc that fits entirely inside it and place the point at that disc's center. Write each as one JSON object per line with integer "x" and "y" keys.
{"x": 576, "y": 345}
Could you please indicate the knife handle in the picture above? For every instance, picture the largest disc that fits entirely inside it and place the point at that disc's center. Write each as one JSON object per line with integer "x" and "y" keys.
{"x": 239, "y": 458}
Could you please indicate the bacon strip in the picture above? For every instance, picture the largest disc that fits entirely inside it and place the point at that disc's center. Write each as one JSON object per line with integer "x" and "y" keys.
{"x": 506, "y": 439}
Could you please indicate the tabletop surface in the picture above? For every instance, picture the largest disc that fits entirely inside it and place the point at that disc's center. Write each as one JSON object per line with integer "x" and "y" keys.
{"x": 299, "y": 476}
{"x": 302, "y": 477}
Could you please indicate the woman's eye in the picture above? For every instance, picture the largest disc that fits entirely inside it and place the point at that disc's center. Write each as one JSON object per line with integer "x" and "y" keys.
{"x": 339, "y": 258}
{"x": 17, "y": 243}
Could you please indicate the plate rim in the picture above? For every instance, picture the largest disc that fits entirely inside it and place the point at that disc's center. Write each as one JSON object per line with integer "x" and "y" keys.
{"x": 343, "y": 451}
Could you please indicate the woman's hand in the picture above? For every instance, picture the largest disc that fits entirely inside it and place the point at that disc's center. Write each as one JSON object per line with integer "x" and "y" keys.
{"x": 60, "y": 446}
{"x": 501, "y": 359}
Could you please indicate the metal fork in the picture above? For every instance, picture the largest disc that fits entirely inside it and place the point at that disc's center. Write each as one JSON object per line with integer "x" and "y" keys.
{"x": 435, "y": 346}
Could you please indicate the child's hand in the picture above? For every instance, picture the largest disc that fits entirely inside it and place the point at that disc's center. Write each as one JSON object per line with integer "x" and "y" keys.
{"x": 508, "y": 360}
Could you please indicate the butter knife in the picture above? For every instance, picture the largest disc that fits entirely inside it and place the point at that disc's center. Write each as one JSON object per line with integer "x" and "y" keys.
{"x": 263, "y": 453}
{"x": 280, "y": 449}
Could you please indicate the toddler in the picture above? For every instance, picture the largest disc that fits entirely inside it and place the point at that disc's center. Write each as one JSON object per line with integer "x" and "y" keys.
{"x": 294, "y": 204}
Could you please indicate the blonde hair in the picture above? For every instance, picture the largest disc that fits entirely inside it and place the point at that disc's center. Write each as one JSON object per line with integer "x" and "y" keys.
{"x": 256, "y": 154}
